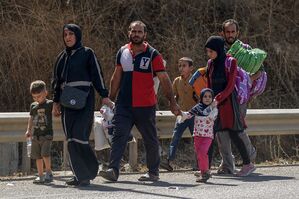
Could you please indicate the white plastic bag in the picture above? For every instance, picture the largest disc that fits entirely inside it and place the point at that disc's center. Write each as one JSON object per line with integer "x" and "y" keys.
{"x": 100, "y": 138}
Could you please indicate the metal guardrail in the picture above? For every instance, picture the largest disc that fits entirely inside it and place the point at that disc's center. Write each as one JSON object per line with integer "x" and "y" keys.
{"x": 260, "y": 122}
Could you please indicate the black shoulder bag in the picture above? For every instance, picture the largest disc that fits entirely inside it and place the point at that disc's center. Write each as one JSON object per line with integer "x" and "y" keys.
{"x": 71, "y": 97}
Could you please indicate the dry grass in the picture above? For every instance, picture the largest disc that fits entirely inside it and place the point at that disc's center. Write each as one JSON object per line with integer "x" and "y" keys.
{"x": 31, "y": 38}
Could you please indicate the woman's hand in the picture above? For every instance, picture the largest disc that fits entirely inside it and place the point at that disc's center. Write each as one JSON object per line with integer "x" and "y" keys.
{"x": 56, "y": 110}
{"x": 214, "y": 103}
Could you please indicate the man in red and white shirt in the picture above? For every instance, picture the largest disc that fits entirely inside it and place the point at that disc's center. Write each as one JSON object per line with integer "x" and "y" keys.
{"x": 132, "y": 82}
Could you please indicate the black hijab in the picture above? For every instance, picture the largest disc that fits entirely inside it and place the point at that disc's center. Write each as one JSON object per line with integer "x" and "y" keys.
{"x": 78, "y": 33}
{"x": 219, "y": 82}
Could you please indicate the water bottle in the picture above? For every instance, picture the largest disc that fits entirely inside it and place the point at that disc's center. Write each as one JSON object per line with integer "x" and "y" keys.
{"x": 29, "y": 143}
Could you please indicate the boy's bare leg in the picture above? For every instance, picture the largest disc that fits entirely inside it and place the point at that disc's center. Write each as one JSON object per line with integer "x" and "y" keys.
{"x": 40, "y": 167}
{"x": 47, "y": 161}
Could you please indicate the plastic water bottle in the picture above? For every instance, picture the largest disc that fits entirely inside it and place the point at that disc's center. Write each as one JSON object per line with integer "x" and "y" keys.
{"x": 29, "y": 143}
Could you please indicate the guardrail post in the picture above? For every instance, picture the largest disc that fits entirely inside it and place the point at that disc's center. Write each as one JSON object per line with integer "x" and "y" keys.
{"x": 133, "y": 154}
{"x": 9, "y": 156}
{"x": 26, "y": 161}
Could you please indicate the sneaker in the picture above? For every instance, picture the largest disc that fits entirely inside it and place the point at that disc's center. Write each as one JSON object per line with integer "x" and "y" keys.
{"x": 197, "y": 173}
{"x": 109, "y": 175}
{"x": 224, "y": 171}
{"x": 166, "y": 165}
{"x": 39, "y": 180}
{"x": 48, "y": 177}
{"x": 149, "y": 177}
{"x": 74, "y": 182}
{"x": 84, "y": 183}
{"x": 246, "y": 170}
{"x": 204, "y": 177}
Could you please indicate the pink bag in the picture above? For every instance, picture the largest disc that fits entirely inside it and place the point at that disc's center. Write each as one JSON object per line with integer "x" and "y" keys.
{"x": 258, "y": 85}
{"x": 243, "y": 82}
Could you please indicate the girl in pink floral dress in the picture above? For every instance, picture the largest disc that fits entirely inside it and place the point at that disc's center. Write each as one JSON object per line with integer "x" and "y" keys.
{"x": 205, "y": 112}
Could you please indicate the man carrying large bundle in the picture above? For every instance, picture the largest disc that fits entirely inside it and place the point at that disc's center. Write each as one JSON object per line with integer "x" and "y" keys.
{"x": 230, "y": 32}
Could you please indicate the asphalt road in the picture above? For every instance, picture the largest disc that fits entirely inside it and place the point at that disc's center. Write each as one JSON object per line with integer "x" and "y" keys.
{"x": 266, "y": 182}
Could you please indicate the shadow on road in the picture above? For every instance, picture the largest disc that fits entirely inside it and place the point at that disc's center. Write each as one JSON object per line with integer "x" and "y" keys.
{"x": 256, "y": 177}
{"x": 105, "y": 188}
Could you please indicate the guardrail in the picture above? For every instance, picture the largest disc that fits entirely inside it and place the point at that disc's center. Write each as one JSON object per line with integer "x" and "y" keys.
{"x": 260, "y": 122}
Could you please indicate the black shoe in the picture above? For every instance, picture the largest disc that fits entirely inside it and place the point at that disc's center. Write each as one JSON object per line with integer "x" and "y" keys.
{"x": 204, "y": 177}
{"x": 224, "y": 171}
{"x": 109, "y": 175}
{"x": 149, "y": 177}
{"x": 166, "y": 165}
{"x": 72, "y": 182}
{"x": 84, "y": 183}
{"x": 75, "y": 182}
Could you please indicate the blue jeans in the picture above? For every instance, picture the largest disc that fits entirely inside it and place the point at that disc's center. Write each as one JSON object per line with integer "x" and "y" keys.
{"x": 177, "y": 134}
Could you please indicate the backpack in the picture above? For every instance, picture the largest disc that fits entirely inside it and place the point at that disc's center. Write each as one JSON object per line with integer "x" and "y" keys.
{"x": 249, "y": 59}
{"x": 198, "y": 80}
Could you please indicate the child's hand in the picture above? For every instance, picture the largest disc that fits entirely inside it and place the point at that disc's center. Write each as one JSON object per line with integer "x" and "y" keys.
{"x": 182, "y": 117}
{"x": 56, "y": 111}
{"x": 28, "y": 134}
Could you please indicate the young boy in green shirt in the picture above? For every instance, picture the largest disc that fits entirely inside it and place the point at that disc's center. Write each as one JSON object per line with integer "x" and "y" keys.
{"x": 40, "y": 130}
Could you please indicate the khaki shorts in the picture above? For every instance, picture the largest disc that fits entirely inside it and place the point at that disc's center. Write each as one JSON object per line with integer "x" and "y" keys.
{"x": 41, "y": 146}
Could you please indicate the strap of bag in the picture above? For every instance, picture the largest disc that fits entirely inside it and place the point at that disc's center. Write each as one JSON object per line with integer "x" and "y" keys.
{"x": 75, "y": 83}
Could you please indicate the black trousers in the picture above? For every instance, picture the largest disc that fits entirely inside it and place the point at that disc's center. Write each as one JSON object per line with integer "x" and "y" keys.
{"x": 144, "y": 119}
{"x": 77, "y": 127}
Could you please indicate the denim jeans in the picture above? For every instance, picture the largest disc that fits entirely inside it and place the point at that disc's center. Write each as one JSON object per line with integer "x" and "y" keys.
{"x": 177, "y": 134}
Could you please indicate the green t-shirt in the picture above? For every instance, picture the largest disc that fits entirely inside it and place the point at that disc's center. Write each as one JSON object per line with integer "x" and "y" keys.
{"x": 42, "y": 118}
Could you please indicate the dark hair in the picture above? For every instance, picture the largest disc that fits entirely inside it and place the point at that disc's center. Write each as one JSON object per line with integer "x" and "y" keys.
{"x": 139, "y": 23}
{"x": 187, "y": 59}
{"x": 230, "y": 21}
{"x": 37, "y": 86}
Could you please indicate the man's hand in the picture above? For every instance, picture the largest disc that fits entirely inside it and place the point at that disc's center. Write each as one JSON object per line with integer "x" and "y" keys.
{"x": 108, "y": 102}
{"x": 56, "y": 110}
{"x": 175, "y": 109}
{"x": 167, "y": 88}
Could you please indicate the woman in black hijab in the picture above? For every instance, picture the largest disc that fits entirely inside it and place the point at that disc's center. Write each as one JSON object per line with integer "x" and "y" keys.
{"x": 221, "y": 74}
{"x": 77, "y": 66}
